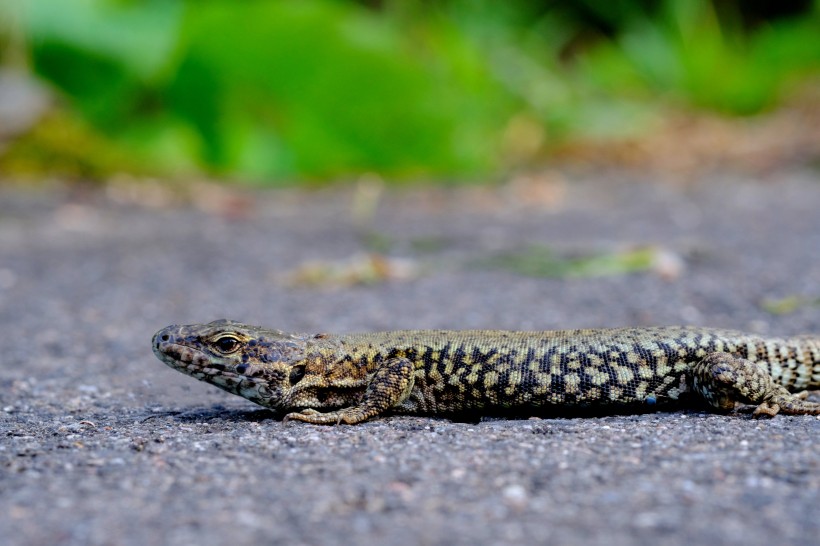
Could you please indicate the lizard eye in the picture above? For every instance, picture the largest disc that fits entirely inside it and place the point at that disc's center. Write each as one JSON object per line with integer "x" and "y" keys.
{"x": 227, "y": 344}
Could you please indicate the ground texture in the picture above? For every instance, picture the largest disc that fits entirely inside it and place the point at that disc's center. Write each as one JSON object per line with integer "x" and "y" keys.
{"x": 102, "y": 444}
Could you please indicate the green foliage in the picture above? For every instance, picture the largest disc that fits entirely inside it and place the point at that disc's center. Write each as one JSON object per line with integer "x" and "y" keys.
{"x": 261, "y": 90}
{"x": 579, "y": 80}
{"x": 61, "y": 142}
{"x": 789, "y": 304}
{"x": 538, "y": 261}
{"x": 689, "y": 54}
{"x": 322, "y": 89}
{"x": 336, "y": 92}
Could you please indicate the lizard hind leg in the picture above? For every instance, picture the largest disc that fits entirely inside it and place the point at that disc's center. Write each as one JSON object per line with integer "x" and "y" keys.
{"x": 722, "y": 380}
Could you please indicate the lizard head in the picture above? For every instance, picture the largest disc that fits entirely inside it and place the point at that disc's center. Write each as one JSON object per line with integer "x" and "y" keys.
{"x": 255, "y": 363}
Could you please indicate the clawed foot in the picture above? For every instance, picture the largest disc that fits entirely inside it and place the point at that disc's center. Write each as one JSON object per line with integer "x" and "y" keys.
{"x": 766, "y": 409}
{"x": 348, "y": 416}
{"x": 788, "y": 404}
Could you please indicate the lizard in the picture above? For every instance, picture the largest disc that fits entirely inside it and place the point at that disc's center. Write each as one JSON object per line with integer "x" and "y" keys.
{"x": 350, "y": 378}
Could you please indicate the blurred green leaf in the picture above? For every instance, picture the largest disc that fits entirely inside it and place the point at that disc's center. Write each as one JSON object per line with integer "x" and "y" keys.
{"x": 688, "y": 53}
{"x": 538, "y": 261}
{"x": 313, "y": 88}
{"x": 141, "y": 36}
{"x": 789, "y": 304}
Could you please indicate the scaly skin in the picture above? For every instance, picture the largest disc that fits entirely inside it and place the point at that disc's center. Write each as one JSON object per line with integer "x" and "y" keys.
{"x": 352, "y": 378}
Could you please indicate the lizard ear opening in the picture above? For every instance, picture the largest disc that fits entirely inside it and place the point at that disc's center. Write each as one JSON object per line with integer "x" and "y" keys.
{"x": 297, "y": 373}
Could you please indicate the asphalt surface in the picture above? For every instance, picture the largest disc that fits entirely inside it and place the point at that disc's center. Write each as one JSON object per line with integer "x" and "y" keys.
{"x": 102, "y": 444}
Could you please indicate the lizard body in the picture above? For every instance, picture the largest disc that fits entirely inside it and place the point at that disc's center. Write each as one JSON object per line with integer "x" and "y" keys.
{"x": 355, "y": 377}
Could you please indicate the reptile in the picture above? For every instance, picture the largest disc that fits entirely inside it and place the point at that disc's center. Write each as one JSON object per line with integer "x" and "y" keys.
{"x": 350, "y": 378}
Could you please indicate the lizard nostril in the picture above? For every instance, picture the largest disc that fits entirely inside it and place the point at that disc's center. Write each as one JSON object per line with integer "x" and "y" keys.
{"x": 165, "y": 337}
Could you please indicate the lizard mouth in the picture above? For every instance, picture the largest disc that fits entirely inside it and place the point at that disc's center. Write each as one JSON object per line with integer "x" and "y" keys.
{"x": 182, "y": 357}
{"x": 198, "y": 364}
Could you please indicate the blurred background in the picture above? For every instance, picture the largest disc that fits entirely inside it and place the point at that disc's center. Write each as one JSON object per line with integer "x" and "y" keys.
{"x": 343, "y": 166}
{"x": 454, "y": 91}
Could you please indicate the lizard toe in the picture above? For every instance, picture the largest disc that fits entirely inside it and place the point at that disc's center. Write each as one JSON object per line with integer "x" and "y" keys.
{"x": 765, "y": 410}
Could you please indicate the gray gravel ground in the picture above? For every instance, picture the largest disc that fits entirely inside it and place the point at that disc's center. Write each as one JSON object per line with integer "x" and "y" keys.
{"x": 102, "y": 444}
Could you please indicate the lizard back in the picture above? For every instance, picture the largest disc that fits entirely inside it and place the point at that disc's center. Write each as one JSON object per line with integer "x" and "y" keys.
{"x": 468, "y": 370}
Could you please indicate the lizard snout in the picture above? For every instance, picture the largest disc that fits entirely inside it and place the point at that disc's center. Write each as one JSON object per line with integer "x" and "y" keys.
{"x": 166, "y": 335}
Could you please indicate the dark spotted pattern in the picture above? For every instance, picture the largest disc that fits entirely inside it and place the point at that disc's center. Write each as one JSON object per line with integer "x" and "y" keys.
{"x": 358, "y": 376}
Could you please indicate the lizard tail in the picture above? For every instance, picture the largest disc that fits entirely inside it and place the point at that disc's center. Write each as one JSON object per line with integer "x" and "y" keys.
{"x": 808, "y": 358}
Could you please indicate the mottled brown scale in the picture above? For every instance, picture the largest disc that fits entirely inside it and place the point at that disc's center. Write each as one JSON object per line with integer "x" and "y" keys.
{"x": 327, "y": 378}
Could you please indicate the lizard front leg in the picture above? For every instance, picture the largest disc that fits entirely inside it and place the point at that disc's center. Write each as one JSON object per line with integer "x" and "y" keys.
{"x": 389, "y": 386}
{"x": 722, "y": 379}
